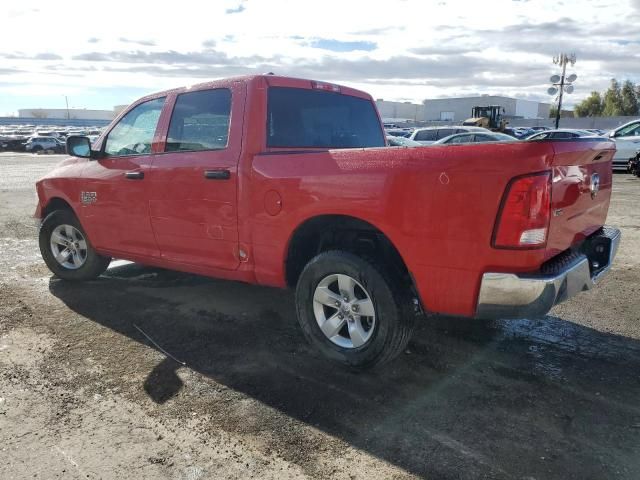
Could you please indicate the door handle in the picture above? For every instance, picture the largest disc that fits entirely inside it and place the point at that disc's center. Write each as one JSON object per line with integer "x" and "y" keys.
{"x": 134, "y": 175}
{"x": 217, "y": 174}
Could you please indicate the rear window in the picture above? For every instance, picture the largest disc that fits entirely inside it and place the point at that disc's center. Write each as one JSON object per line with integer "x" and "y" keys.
{"x": 303, "y": 118}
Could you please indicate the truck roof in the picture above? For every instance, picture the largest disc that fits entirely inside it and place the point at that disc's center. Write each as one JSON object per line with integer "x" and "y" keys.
{"x": 269, "y": 79}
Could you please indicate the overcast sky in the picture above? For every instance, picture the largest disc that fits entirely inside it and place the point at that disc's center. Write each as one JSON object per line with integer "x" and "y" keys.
{"x": 104, "y": 53}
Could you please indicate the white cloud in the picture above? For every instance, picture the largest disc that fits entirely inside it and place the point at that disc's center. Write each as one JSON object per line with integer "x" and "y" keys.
{"x": 422, "y": 49}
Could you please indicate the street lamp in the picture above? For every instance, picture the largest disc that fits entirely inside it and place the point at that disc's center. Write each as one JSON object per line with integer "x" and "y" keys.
{"x": 562, "y": 82}
{"x": 67, "y": 102}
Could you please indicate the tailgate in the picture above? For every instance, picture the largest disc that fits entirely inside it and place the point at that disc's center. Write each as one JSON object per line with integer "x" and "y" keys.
{"x": 581, "y": 190}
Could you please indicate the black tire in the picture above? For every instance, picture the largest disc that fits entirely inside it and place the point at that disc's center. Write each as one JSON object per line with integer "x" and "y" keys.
{"x": 93, "y": 266}
{"x": 395, "y": 317}
{"x": 36, "y": 149}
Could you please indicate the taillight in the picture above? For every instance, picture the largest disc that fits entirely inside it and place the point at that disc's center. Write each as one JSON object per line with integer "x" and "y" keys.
{"x": 327, "y": 87}
{"x": 523, "y": 220}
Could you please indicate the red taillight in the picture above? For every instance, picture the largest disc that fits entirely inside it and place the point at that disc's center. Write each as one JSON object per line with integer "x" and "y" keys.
{"x": 327, "y": 87}
{"x": 523, "y": 221}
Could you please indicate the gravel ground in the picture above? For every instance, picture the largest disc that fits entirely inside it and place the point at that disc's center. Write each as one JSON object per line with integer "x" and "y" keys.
{"x": 151, "y": 374}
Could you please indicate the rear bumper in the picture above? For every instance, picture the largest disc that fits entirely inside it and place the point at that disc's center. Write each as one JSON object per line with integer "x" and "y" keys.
{"x": 508, "y": 295}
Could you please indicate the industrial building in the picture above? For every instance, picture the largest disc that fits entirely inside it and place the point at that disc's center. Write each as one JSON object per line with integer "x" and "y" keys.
{"x": 71, "y": 114}
{"x": 400, "y": 112}
{"x": 458, "y": 109}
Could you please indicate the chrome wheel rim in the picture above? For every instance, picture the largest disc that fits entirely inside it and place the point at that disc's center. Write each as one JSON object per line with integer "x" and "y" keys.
{"x": 68, "y": 246}
{"x": 344, "y": 311}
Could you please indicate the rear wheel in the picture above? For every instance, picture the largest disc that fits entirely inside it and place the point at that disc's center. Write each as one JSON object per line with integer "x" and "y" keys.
{"x": 66, "y": 249}
{"x": 352, "y": 310}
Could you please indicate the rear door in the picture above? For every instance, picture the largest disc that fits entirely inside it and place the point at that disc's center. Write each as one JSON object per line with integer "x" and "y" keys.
{"x": 194, "y": 201}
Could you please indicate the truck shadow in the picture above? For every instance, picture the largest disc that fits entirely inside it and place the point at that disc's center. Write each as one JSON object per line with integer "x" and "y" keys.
{"x": 541, "y": 398}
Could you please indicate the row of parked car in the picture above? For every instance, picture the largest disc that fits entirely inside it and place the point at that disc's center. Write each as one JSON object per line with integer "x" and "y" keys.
{"x": 29, "y": 138}
{"x": 627, "y": 137}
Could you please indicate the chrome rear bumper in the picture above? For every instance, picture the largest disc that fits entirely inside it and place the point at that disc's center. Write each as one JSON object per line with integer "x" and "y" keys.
{"x": 509, "y": 295}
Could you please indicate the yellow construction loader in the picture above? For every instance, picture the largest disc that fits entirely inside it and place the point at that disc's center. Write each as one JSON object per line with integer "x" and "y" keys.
{"x": 488, "y": 117}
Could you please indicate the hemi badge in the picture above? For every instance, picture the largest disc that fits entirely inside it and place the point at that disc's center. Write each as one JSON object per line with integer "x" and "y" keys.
{"x": 557, "y": 212}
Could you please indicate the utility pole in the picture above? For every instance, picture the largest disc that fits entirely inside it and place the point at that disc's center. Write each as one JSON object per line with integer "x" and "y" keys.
{"x": 67, "y": 102}
{"x": 562, "y": 81}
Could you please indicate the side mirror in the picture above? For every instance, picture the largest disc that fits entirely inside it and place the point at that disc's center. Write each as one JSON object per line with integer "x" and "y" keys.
{"x": 79, "y": 146}
{"x": 612, "y": 133}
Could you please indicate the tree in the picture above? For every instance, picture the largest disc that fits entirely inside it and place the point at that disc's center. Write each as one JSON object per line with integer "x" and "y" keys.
{"x": 553, "y": 111}
{"x": 629, "y": 99}
{"x": 613, "y": 100}
{"x": 592, "y": 106}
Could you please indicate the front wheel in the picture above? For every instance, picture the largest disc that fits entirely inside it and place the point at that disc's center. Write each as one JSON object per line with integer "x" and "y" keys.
{"x": 352, "y": 310}
{"x": 66, "y": 249}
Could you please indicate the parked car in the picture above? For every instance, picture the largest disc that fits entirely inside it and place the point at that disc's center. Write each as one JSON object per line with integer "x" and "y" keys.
{"x": 402, "y": 142}
{"x": 367, "y": 237}
{"x": 428, "y": 135}
{"x": 627, "y": 138}
{"x": 560, "y": 134}
{"x": 475, "y": 137}
{"x": 39, "y": 144}
{"x": 539, "y": 128}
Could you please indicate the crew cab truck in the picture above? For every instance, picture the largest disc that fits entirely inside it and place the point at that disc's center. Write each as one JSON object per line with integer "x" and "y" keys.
{"x": 287, "y": 182}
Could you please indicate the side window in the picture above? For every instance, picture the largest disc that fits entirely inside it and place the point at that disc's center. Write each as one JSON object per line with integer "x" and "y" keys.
{"x": 425, "y": 136}
{"x": 460, "y": 139}
{"x": 200, "y": 121}
{"x": 445, "y": 132}
{"x": 478, "y": 137}
{"x": 133, "y": 134}
{"x": 630, "y": 131}
{"x": 560, "y": 135}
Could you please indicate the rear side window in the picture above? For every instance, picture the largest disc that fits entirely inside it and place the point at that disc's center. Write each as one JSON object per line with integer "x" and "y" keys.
{"x": 200, "y": 121}
{"x": 445, "y": 132}
{"x": 303, "y": 118}
{"x": 560, "y": 135}
{"x": 426, "y": 135}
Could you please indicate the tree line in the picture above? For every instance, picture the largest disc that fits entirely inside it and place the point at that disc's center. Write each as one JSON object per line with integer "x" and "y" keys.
{"x": 615, "y": 101}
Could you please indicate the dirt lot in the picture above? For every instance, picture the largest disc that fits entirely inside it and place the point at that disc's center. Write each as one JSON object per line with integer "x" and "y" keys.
{"x": 150, "y": 374}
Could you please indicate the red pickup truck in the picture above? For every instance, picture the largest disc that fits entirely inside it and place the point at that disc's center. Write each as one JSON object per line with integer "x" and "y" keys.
{"x": 288, "y": 182}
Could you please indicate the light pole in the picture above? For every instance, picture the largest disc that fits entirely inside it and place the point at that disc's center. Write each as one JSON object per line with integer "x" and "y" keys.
{"x": 565, "y": 83}
{"x": 67, "y": 102}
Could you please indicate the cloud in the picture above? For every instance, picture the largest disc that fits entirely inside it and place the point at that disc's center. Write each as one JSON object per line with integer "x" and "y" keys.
{"x": 240, "y": 8}
{"x": 37, "y": 56}
{"x": 144, "y": 43}
{"x": 93, "y": 40}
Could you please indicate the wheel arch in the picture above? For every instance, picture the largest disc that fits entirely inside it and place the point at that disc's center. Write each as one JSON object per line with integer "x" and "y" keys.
{"x": 325, "y": 232}
{"x": 57, "y": 203}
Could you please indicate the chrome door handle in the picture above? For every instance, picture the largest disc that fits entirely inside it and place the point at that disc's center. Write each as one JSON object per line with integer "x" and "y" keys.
{"x": 134, "y": 175}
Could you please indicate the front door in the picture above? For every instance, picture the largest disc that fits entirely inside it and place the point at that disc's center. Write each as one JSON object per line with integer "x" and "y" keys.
{"x": 116, "y": 188}
{"x": 194, "y": 200}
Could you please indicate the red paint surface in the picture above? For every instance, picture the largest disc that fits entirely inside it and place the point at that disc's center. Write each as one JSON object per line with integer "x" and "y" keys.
{"x": 177, "y": 219}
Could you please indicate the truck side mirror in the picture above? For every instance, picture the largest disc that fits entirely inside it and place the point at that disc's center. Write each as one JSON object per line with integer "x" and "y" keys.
{"x": 79, "y": 146}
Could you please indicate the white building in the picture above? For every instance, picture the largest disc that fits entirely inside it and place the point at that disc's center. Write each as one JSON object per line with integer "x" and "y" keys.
{"x": 458, "y": 109}
{"x": 63, "y": 113}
